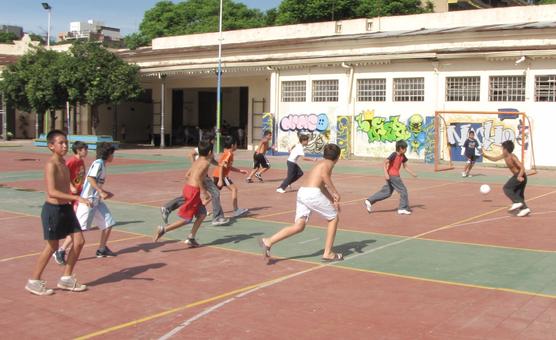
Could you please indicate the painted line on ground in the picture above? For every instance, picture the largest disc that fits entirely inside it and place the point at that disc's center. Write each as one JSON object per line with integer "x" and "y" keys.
{"x": 308, "y": 241}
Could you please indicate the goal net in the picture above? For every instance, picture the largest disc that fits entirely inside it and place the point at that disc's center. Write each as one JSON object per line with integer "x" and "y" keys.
{"x": 451, "y": 129}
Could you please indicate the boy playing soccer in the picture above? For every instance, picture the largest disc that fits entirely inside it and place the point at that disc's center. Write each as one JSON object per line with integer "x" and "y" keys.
{"x": 193, "y": 190}
{"x": 392, "y": 166}
{"x": 515, "y": 186}
{"x": 76, "y": 166}
{"x": 220, "y": 174}
{"x": 317, "y": 194}
{"x": 97, "y": 214}
{"x": 294, "y": 171}
{"x": 469, "y": 147}
{"x": 58, "y": 219}
{"x": 260, "y": 163}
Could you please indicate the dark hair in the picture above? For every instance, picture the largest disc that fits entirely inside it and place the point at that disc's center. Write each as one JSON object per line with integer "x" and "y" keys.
{"x": 331, "y": 152}
{"x": 53, "y": 134}
{"x": 401, "y": 144}
{"x": 208, "y": 136}
{"x": 205, "y": 147}
{"x": 303, "y": 138}
{"x": 104, "y": 150}
{"x": 228, "y": 142}
{"x": 78, "y": 145}
{"x": 266, "y": 133}
{"x": 508, "y": 145}
{"x": 471, "y": 132}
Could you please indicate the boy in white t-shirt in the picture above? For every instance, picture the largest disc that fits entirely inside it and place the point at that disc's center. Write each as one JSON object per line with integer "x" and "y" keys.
{"x": 294, "y": 171}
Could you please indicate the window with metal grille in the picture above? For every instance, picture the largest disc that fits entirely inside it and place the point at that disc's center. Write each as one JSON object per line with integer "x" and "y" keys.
{"x": 545, "y": 88}
{"x": 409, "y": 89}
{"x": 371, "y": 90}
{"x": 507, "y": 89}
{"x": 463, "y": 89}
{"x": 294, "y": 91}
{"x": 325, "y": 90}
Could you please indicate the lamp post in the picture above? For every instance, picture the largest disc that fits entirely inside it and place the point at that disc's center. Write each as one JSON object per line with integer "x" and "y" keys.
{"x": 47, "y": 7}
{"x": 219, "y": 83}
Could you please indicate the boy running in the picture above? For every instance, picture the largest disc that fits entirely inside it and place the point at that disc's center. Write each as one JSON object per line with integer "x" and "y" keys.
{"x": 58, "y": 219}
{"x": 469, "y": 147}
{"x": 220, "y": 174}
{"x": 76, "y": 166}
{"x": 294, "y": 171}
{"x": 317, "y": 194}
{"x": 392, "y": 166}
{"x": 260, "y": 163}
{"x": 515, "y": 186}
{"x": 194, "y": 192}
{"x": 97, "y": 214}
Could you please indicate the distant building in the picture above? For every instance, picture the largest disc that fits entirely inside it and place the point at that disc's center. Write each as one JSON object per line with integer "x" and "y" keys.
{"x": 17, "y": 30}
{"x": 92, "y": 30}
{"x": 459, "y": 5}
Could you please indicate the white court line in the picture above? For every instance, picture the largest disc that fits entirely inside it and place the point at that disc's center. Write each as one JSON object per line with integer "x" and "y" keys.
{"x": 311, "y": 240}
{"x": 502, "y": 217}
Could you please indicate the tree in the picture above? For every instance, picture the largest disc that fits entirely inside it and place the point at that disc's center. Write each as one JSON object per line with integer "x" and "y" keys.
{"x": 545, "y": 2}
{"x": 136, "y": 40}
{"x": 7, "y": 37}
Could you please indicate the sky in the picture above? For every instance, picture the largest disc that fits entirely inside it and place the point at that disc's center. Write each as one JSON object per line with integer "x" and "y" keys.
{"x": 123, "y": 14}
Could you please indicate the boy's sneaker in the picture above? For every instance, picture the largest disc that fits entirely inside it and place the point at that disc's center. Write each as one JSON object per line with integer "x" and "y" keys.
{"x": 60, "y": 256}
{"x": 248, "y": 180}
{"x": 160, "y": 231}
{"x": 106, "y": 252}
{"x": 70, "y": 283}
{"x": 240, "y": 212}
{"x": 524, "y": 212}
{"x": 464, "y": 174}
{"x": 404, "y": 212}
{"x": 165, "y": 214}
{"x": 515, "y": 206}
{"x": 38, "y": 287}
{"x": 192, "y": 243}
{"x": 220, "y": 221}
{"x": 259, "y": 177}
{"x": 368, "y": 205}
{"x": 280, "y": 190}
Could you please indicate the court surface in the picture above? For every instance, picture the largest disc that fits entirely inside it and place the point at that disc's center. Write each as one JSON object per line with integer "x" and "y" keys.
{"x": 460, "y": 267}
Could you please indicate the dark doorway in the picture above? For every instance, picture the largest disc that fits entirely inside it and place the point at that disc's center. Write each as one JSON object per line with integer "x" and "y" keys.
{"x": 207, "y": 110}
{"x": 178, "y": 135}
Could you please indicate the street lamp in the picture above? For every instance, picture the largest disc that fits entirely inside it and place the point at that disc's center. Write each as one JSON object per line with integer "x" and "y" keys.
{"x": 47, "y": 7}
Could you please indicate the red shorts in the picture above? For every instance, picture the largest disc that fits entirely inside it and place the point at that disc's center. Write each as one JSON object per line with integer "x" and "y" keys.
{"x": 193, "y": 205}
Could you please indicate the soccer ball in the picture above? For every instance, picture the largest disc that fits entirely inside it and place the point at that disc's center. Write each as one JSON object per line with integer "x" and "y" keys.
{"x": 485, "y": 189}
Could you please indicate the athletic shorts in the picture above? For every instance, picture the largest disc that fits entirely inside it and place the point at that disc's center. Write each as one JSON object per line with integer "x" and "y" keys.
{"x": 193, "y": 207}
{"x": 259, "y": 160}
{"x": 471, "y": 159}
{"x": 58, "y": 221}
{"x": 97, "y": 215}
{"x": 312, "y": 199}
{"x": 227, "y": 182}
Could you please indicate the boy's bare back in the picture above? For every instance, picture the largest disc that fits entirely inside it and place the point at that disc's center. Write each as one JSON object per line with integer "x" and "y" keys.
{"x": 57, "y": 177}
{"x": 198, "y": 172}
{"x": 263, "y": 147}
{"x": 318, "y": 175}
{"x": 513, "y": 163}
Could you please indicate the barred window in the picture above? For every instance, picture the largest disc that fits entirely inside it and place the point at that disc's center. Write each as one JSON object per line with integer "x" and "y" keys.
{"x": 325, "y": 90}
{"x": 463, "y": 89}
{"x": 371, "y": 90}
{"x": 507, "y": 88}
{"x": 545, "y": 88}
{"x": 294, "y": 91}
{"x": 409, "y": 89}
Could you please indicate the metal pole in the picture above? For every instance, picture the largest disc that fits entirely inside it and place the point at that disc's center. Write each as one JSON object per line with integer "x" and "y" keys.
{"x": 219, "y": 85}
{"x": 4, "y": 112}
{"x": 68, "y": 122}
{"x": 162, "y": 109}
{"x": 48, "y": 34}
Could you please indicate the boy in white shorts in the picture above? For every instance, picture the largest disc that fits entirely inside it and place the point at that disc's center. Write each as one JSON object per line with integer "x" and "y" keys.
{"x": 98, "y": 213}
{"x": 317, "y": 194}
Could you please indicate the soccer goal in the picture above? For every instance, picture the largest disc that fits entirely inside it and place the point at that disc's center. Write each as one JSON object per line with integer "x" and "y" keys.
{"x": 491, "y": 129}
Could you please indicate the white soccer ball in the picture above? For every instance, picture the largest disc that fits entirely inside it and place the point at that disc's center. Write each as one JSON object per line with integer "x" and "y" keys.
{"x": 485, "y": 189}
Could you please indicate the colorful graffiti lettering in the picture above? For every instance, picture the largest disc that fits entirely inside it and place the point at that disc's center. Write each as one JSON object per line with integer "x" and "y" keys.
{"x": 419, "y": 130}
{"x": 304, "y": 122}
{"x": 380, "y": 129}
{"x": 343, "y": 135}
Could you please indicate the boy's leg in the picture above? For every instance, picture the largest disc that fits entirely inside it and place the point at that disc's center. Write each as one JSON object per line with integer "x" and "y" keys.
{"x": 398, "y": 185}
{"x": 289, "y": 177}
{"x": 511, "y": 189}
{"x": 104, "y": 235}
{"x": 521, "y": 192}
{"x": 49, "y": 249}
{"x": 330, "y": 236}
{"x": 286, "y": 232}
{"x": 197, "y": 225}
{"x": 217, "y": 211}
{"x": 174, "y": 203}
{"x": 298, "y": 174}
{"x": 233, "y": 189}
{"x": 78, "y": 243}
{"x": 104, "y": 220}
{"x": 385, "y": 192}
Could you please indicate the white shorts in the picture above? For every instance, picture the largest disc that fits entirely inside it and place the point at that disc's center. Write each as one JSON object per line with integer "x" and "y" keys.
{"x": 312, "y": 199}
{"x": 97, "y": 215}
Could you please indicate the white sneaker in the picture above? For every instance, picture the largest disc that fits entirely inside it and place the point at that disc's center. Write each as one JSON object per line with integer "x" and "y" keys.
{"x": 368, "y": 205}
{"x": 280, "y": 190}
{"x": 469, "y": 175}
{"x": 404, "y": 212}
{"x": 71, "y": 284}
{"x": 240, "y": 212}
{"x": 524, "y": 212}
{"x": 38, "y": 287}
{"x": 515, "y": 206}
{"x": 464, "y": 174}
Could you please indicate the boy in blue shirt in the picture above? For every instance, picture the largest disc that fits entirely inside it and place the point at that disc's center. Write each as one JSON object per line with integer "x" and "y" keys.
{"x": 469, "y": 151}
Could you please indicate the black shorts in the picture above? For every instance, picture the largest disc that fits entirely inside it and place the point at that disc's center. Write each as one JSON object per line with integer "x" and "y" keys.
{"x": 259, "y": 160}
{"x": 471, "y": 158}
{"x": 227, "y": 182}
{"x": 58, "y": 221}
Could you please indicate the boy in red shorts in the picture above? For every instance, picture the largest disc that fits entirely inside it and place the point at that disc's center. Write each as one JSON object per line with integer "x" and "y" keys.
{"x": 193, "y": 189}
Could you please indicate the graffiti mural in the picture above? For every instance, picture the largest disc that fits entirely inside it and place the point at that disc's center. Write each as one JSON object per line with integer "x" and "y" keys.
{"x": 343, "y": 135}
{"x": 316, "y": 126}
{"x": 381, "y": 129}
{"x": 304, "y": 122}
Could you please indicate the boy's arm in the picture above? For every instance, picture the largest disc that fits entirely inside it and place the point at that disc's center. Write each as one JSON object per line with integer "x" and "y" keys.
{"x": 493, "y": 158}
{"x": 406, "y": 167}
{"x": 103, "y": 193}
{"x": 234, "y": 169}
{"x": 52, "y": 191}
{"x": 309, "y": 159}
{"x": 386, "y": 163}
{"x": 330, "y": 188}
{"x": 221, "y": 174}
{"x": 192, "y": 155}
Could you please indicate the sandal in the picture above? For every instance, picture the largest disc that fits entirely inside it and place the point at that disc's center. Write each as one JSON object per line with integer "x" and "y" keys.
{"x": 265, "y": 248}
{"x": 337, "y": 257}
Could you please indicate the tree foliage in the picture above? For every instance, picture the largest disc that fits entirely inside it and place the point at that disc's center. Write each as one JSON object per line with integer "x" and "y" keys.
{"x": 7, "y": 37}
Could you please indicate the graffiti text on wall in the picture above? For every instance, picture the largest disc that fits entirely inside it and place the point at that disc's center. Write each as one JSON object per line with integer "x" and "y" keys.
{"x": 381, "y": 129}
{"x": 304, "y": 122}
